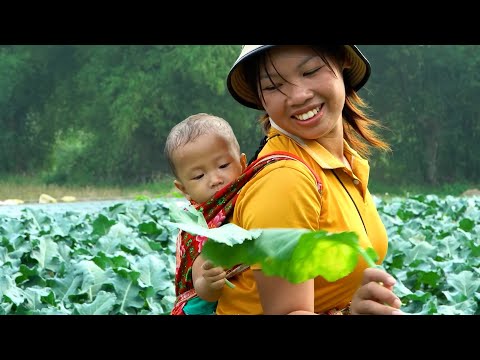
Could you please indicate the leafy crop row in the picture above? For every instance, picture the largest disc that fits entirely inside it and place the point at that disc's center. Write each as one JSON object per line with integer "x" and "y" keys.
{"x": 114, "y": 261}
{"x": 120, "y": 260}
{"x": 434, "y": 253}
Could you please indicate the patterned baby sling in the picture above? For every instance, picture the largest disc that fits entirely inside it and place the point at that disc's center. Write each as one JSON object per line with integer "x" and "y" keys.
{"x": 216, "y": 210}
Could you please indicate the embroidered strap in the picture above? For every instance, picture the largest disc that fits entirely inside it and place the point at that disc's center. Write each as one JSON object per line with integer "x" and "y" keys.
{"x": 216, "y": 210}
{"x": 335, "y": 311}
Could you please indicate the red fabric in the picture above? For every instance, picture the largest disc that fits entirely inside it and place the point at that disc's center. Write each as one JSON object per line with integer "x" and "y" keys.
{"x": 215, "y": 211}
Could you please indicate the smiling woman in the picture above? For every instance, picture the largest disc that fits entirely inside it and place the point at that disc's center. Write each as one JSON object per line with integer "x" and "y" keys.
{"x": 312, "y": 110}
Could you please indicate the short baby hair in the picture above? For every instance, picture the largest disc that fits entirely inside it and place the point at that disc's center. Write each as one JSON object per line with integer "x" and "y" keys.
{"x": 194, "y": 126}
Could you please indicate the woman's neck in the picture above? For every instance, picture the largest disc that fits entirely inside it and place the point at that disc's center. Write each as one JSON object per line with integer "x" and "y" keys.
{"x": 333, "y": 143}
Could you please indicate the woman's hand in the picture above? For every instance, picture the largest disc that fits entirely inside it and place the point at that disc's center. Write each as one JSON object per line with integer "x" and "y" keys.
{"x": 375, "y": 296}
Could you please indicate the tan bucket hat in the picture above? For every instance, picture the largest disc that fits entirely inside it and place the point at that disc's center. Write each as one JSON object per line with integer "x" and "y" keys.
{"x": 356, "y": 76}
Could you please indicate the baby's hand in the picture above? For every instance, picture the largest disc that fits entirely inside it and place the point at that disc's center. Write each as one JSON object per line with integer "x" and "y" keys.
{"x": 214, "y": 276}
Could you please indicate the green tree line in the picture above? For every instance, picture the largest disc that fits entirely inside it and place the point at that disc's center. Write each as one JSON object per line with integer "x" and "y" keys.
{"x": 90, "y": 114}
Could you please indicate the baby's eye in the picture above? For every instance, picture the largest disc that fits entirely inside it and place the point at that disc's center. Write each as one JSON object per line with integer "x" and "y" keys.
{"x": 198, "y": 177}
{"x": 224, "y": 166}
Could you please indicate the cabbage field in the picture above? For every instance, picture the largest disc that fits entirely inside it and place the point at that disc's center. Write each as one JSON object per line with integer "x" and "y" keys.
{"x": 120, "y": 259}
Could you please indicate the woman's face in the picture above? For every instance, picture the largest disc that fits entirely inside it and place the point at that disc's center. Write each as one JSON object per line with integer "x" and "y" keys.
{"x": 300, "y": 92}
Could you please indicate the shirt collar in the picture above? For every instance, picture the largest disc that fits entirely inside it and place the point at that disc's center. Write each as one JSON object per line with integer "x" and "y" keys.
{"x": 360, "y": 166}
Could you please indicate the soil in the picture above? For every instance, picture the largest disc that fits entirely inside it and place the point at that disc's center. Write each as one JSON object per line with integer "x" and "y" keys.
{"x": 471, "y": 192}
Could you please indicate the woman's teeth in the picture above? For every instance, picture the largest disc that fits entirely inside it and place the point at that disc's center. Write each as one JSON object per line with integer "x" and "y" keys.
{"x": 308, "y": 115}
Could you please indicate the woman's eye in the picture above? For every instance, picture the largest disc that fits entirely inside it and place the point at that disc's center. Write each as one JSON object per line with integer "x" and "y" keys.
{"x": 272, "y": 87}
{"x": 311, "y": 72}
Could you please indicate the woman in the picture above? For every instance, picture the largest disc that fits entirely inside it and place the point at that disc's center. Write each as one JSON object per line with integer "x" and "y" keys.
{"x": 312, "y": 111}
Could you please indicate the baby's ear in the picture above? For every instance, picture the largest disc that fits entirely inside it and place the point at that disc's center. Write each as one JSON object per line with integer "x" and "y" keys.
{"x": 243, "y": 161}
{"x": 180, "y": 187}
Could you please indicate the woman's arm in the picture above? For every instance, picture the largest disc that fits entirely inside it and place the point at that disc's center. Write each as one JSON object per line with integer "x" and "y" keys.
{"x": 279, "y": 297}
{"x": 285, "y": 197}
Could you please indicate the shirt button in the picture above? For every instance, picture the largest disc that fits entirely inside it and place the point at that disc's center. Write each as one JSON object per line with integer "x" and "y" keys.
{"x": 356, "y": 182}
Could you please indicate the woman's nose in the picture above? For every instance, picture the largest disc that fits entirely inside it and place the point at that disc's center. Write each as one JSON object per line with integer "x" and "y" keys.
{"x": 298, "y": 93}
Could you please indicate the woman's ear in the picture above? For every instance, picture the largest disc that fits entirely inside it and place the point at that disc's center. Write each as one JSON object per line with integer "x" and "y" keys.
{"x": 347, "y": 63}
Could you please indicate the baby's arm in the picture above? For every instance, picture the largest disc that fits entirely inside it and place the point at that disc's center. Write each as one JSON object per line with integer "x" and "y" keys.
{"x": 207, "y": 279}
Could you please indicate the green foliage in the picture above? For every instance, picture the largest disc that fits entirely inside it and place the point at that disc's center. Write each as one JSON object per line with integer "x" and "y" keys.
{"x": 61, "y": 263}
{"x": 426, "y": 96}
{"x": 442, "y": 190}
{"x": 28, "y": 77}
{"x": 127, "y": 98}
{"x": 97, "y": 263}
{"x": 434, "y": 252}
{"x": 83, "y": 114}
{"x": 67, "y": 160}
{"x": 294, "y": 254}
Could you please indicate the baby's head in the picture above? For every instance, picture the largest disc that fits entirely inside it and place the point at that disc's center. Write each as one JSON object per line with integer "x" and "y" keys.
{"x": 204, "y": 156}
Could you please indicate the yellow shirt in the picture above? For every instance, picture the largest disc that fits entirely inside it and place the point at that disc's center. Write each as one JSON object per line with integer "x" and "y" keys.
{"x": 284, "y": 195}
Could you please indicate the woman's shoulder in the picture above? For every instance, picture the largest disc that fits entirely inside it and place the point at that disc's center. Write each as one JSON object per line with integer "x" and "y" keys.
{"x": 272, "y": 197}
{"x": 294, "y": 167}
{"x": 284, "y": 175}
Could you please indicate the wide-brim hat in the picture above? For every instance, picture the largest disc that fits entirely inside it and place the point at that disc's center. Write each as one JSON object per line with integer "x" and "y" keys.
{"x": 356, "y": 76}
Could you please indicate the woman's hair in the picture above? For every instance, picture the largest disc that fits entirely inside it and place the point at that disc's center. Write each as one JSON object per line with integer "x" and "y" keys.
{"x": 193, "y": 127}
{"x": 358, "y": 127}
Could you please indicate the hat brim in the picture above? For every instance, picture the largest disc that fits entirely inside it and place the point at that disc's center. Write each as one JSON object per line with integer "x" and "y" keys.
{"x": 356, "y": 76}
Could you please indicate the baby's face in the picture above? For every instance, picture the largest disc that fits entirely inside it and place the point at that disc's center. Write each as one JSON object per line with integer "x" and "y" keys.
{"x": 206, "y": 165}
